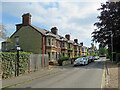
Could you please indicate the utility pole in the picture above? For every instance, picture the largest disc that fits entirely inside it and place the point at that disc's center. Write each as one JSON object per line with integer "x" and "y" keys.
{"x": 112, "y": 45}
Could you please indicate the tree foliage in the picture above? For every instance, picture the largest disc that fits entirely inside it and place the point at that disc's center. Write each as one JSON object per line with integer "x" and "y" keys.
{"x": 109, "y": 21}
{"x": 3, "y": 32}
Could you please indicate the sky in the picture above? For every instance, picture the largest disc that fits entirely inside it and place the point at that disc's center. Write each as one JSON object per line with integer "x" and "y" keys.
{"x": 74, "y": 17}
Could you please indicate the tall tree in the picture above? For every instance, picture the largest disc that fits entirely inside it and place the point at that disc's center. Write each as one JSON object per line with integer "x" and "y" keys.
{"x": 109, "y": 21}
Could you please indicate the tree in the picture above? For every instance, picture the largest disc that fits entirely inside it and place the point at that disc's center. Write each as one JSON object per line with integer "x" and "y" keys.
{"x": 109, "y": 21}
{"x": 3, "y": 32}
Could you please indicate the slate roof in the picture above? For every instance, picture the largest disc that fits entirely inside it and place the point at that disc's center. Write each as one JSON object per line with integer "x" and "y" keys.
{"x": 70, "y": 41}
{"x": 48, "y": 33}
{"x": 43, "y": 31}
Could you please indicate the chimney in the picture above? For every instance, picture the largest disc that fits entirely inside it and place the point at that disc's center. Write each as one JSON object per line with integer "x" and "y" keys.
{"x": 81, "y": 43}
{"x": 54, "y": 30}
{"x": 76, "y": 40}
{"x": 18, "y": 26}
{"x": 26, "y": 19}
{"x": 67, "y": 36}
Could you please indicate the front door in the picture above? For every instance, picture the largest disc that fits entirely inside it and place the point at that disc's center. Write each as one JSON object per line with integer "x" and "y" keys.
{"x": 56, "y": 55}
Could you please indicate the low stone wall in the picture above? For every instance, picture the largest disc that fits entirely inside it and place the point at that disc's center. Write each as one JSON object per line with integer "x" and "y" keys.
{"x": 66, "y": 63}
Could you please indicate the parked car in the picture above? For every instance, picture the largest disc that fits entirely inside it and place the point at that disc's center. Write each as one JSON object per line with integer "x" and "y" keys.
{"x": 86, "y": 60}
{"x": 91, "y": 58}
{"x": 80, "y": 61}
{"x": 96, "y": 57}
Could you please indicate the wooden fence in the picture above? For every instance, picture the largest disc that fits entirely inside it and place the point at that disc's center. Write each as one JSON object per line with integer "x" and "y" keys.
{"x": 37, "y": 62}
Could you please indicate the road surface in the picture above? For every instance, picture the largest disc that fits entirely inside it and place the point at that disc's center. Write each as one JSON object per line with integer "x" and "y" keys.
{"x": 89, "y": 76}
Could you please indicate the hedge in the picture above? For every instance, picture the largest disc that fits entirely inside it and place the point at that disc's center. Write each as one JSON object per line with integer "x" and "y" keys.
{"x": 8, "y": 63}
{"x": 118, "y": 57}
{"x": 61, "y": 59}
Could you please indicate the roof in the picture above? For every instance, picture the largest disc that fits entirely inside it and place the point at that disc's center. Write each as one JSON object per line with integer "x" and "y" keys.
{"x": 84, "y": 46}
{"x": 70, "y": 41}
{"x": 48, "y": 33}
{"x": 43, "y": 31}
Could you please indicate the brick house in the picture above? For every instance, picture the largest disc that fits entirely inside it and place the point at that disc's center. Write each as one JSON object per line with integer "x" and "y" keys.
{"x": 40, "y": 41}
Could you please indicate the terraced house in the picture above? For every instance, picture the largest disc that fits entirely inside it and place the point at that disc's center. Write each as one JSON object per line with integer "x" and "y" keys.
{"x": 40, "y": 41}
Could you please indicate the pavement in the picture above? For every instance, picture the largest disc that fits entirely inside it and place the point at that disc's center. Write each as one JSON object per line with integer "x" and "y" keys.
{"x": 9, "y": 83}
{"x": 89, "y": 76}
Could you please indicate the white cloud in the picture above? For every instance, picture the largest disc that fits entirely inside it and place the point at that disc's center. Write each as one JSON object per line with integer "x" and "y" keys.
{"x": 59, "y": 14}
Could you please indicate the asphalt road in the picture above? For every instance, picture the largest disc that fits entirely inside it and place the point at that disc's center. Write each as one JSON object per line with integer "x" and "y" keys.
{"x": 89, "y": 76}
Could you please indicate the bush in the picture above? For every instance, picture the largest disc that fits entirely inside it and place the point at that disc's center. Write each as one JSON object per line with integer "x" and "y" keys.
{"x": 118, "y": 57}
{"x": 61, "y": 59}
{"x": 77, "y": 57}
{"x": 8, "y": 60}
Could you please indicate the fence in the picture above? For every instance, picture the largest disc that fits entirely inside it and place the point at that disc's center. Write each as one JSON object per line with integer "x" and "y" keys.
{"x": 27, "y": 63}
{"x": 37, "y": 61}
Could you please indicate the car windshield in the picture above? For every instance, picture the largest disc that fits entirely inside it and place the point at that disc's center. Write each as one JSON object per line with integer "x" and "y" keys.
{"x": 77, "y": 59}
{"x": 80, "y": 58}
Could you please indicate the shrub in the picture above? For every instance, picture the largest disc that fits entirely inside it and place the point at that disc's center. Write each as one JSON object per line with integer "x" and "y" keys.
{"x": 8, "y": 60}
{"x": 118, "y": 63}
{"x": 61, "y": 59}
{"x": 117, "y": 57}
{"x": 77, "y": 57}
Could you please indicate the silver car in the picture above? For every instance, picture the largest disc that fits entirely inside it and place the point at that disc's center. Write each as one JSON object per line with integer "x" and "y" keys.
{"x": 80, "y": 61}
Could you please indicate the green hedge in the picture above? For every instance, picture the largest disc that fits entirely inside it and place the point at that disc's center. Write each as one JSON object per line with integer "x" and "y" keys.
{"x": 61, "y": 59}
{"x": 118, "y": 57}
{"x": 8, "y": 63}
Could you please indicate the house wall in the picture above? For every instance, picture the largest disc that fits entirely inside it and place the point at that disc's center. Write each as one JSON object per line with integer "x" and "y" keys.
{"x": 29, "y": 39}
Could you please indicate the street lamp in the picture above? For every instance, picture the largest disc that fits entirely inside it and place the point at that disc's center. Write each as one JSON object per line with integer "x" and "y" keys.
{"x": 18, "y": 48}
{"x": 111, "y": 44}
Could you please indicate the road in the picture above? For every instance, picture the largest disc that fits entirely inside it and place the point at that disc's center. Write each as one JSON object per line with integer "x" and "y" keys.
{"x": 89, "y": 76}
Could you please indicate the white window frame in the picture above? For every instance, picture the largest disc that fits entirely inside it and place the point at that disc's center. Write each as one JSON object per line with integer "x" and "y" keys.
{"x": 48, "y": 44}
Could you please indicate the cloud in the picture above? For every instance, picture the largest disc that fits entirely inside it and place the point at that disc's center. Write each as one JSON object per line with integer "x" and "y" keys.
{"x": 76, "y": 18}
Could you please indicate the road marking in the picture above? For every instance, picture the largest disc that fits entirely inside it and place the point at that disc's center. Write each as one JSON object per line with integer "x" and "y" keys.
{"x": 103, "y": 77}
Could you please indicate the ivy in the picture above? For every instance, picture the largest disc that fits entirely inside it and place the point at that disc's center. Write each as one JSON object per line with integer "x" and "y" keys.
{"x": 8, "y": 60}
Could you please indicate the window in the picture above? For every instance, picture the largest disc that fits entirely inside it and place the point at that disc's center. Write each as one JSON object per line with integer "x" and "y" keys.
{"x": 52, "y": 55}
{"x": 6, "y": 44}
{"x": 75, "y": 47}
{"x": 48, "y": 42}
{"x": 17, "y": 40}
{"x": 63, "y": 45}
{"x": 49, "y": 56}
{"x": 66, "y": 45}
{"x": 52, "y": 41}
{"x": 82, "y": 49}
{"x": 63, "y": 54}
{"x": 59, "y": 44}
{"x": 69, "y": 46}
{"x": 75, "y": 53}
{"x": 56, "y": 43}
{"x": 69, "y": 54}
